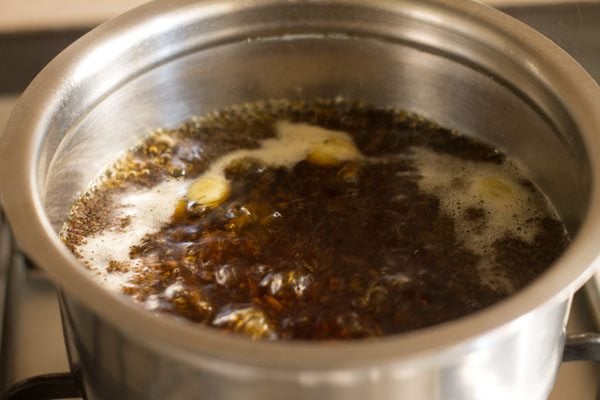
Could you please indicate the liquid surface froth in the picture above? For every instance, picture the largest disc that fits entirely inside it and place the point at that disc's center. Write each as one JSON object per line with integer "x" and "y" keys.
{"x": 314, "y": 220}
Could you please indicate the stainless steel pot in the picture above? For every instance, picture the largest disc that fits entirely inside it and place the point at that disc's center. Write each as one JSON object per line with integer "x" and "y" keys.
{"x": 460, "y": 63}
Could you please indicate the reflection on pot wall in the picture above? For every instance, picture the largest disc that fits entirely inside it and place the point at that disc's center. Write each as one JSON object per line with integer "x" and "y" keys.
{"x": 112, "y": 364}
{"x": 446, "y": 60}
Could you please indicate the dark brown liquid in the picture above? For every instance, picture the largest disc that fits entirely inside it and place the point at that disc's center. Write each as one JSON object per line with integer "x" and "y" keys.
{"x": 315, "y": 252}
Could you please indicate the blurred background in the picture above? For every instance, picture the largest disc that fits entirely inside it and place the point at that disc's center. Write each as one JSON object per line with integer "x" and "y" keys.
{"x": 32, "y": 32}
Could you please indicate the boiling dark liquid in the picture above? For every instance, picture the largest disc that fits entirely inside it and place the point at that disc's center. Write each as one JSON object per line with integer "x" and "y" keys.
{"x": 353, "y": 250}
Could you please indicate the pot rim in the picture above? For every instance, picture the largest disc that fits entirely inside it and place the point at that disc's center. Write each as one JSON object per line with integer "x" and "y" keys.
{"x": 19, "y": 181}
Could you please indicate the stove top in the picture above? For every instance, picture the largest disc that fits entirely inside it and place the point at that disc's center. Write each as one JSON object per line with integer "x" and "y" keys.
{"x": 32, "y": 343}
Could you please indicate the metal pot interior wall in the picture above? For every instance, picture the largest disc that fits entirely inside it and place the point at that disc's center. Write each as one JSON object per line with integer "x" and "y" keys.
{"x": 383, "y": 73}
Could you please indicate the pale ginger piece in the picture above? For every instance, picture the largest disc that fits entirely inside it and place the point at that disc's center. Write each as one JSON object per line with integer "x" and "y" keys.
{"x": 332, "y": 152}
{"x": 208, "y": 191}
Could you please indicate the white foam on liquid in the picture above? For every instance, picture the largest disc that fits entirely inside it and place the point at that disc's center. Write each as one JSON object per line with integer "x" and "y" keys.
{"x": 150, "y": 209}
{"x": 460, "y": 184}
{"x": 456, "y": 182}
{"x": 290, "y": 146}
{"x": 147, "y": 210}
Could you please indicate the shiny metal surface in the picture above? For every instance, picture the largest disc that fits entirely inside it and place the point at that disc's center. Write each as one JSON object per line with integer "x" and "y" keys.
{"x": 460, "y": 63}
{"x": 576, "y": 28}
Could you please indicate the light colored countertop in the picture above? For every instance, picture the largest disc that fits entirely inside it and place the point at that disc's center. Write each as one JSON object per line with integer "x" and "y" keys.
{"x": 18, "y": 15}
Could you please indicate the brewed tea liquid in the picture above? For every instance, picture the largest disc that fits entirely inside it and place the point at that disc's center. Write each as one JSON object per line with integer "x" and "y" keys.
{"x": 314, "y": 220}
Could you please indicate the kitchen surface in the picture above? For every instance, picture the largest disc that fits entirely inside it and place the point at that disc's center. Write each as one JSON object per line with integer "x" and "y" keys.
{"x": 31, "y": 334}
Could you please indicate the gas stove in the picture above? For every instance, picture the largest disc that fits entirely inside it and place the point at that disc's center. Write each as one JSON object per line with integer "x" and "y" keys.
{"x": 31, "y": 341}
